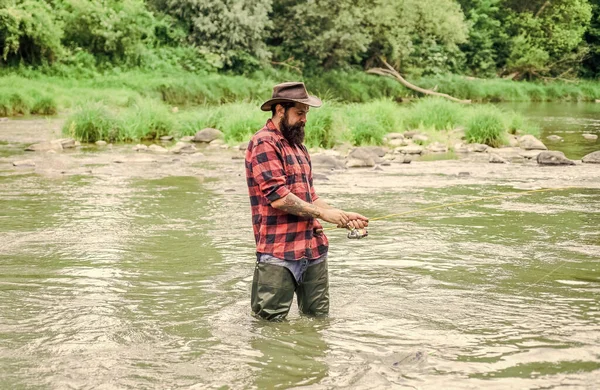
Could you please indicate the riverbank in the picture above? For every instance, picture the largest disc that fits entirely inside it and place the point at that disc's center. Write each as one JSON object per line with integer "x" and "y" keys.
{"x": 24, "y": 91}
{"x": 218, "y": 160}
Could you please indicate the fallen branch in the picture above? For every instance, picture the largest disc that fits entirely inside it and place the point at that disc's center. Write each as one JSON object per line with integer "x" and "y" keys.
{"x": 391, "y": 72}
{"x": 287, "y": 63}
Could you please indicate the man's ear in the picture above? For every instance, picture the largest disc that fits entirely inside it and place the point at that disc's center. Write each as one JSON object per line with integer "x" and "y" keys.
{"x": 279, "y": 110}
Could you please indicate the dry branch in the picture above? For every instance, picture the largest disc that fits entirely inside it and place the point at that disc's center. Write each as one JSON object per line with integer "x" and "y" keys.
{"x": 391, "y": 72}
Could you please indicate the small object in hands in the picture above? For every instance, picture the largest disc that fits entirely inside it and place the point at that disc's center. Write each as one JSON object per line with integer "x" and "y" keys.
{"x": 357, "y": 234}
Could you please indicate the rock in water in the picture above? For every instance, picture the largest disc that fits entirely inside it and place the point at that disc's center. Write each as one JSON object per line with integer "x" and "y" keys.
{"x": 494, "y": 158}
{"x": 207, "y": 135}
{"x": 554, "y": 138}
{"x": 592, "y": 158}
{"x": 24, "y": 163}
{"x": 553, "y": 158}
{"x": 529, "y": 142}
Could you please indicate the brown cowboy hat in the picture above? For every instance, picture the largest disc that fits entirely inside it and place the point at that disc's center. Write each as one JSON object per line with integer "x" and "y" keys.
{"x": 291, "y": 92}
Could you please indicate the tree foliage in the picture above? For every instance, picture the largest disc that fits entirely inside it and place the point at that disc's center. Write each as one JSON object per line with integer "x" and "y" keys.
{"x": 529, "y": 39}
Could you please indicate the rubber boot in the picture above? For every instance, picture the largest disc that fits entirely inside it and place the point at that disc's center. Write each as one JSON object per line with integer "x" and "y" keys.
{"x": 272, "y": 291}
{"x": 313, "y": 291}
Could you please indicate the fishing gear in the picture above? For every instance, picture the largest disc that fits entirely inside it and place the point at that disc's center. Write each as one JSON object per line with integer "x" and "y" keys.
{"x": 357, "y": 234}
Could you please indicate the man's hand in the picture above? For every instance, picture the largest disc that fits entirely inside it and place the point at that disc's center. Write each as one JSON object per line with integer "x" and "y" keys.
{"x": 344, "y": 219}
{"x": 357, "y": 221}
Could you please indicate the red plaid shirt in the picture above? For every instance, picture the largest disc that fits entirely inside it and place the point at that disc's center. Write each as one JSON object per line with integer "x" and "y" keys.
{"x": 274, "y": 168}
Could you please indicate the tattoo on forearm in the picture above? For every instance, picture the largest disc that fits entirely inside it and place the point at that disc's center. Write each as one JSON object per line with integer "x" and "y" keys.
{"x": 294, "y": 205}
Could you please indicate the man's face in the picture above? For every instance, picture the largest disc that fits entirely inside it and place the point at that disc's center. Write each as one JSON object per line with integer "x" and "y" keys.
{"x": 292, "y": 123}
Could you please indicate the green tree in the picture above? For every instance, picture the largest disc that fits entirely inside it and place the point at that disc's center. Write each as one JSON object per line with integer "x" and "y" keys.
{"x": 550, "y": 35}
{"x": 417, "y": 35}
{"x": 592, "y": 39}
{"x": 29, "y": 33}
{"x": 486, "y": 36}
{"x": 234, "y": 29}
{"x": 115, "y": 31}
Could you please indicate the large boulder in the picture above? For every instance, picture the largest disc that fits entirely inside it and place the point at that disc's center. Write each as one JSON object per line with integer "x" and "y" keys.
{"x": 478, "y": 148}
{"x": 24, "y": 163}
{"x": 553, "y": 158}
{"x": 363, "y": 151}
{"x": 207, "y": 135}
{"x": 325, "y": 161}
{"x": 592, "y": 158}
{"x": 590, "y": 137}
{"x": 363, "y": 157}
{"x": 56, "y": 145}
{"x": 360, "y": 163}
{"x": 529, "y": 142}
{"x": 437, "y": 147}
{"x": 495, "y": 159}
{"x": 183, "y": 148}
{"x": 391, "y": 136}
{"x": 411, "y": 149}
{"x": 157, "y": 149}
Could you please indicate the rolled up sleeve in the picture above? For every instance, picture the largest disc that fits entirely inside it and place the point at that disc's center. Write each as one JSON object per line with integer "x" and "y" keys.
{"x": 268, "y": 171}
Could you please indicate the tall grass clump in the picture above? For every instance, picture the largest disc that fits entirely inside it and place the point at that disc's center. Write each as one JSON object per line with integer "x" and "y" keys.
{"x": 92, "y": 122}
{"x": 486, "y": 125}
{"x": 320, "y": 130}
{"x": 5, "y": 106}
{"x": 189, "y": 122}
{"x": 146, "y": 120}
{"x": 45, "y": 105}
{"x": 240, "y": 121}
{"x": 21, "y": 104}
{"x": 435, "y": 113}
{"x": 517, "y": 124}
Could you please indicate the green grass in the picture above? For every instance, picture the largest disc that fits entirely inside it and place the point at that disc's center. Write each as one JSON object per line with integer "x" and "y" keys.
{"x": 146, "y": 120}
{"x": 487, "y": 125}
{"x": 435, "y": 113}
{"x": 93, "y": 122}
{"x": 359, "y": 124}
{"x": 45, "y": 105}
{"x": 38, "y": 93}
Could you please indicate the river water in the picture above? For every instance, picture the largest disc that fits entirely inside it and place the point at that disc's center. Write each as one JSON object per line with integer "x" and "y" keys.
{"x": 139, "y": 277}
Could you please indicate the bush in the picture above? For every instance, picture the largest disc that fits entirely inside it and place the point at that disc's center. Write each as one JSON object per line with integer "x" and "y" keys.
{"x": 486, "y": 125}
{"x": 29, "y": 33}
{"x": 435, "y": 113}
{"x": 45, "y": 105}
{"x": 146, "y": 120}
{"x": 92, "y": 122}
{"x": 320, "y": 128}
{"x": 20, "y": 104}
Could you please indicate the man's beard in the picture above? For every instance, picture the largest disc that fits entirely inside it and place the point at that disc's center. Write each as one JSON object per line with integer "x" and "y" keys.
{"x": 294, "y": 134}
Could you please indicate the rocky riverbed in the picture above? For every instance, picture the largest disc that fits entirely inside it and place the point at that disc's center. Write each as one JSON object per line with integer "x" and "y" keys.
{"x": 527, "y": 164}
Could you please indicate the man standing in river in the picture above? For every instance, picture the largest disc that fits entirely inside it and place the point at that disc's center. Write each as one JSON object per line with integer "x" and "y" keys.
{"x": 291, "y": 248}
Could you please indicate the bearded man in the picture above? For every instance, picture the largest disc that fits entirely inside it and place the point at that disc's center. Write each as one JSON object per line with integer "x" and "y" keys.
{"x": 291, "y": 247}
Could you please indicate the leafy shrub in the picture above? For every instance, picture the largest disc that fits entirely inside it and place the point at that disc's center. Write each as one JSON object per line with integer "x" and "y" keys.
{"x": 435, "y": 113}
{"x": 45, "y": 105}
{"x": 486, "y": 126}
{"x": 92, "y": 122}
{"x": 29, "y": 32}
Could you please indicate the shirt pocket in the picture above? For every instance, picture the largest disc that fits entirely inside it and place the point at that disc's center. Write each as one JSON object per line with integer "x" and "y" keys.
{"x": 296, "y": 178}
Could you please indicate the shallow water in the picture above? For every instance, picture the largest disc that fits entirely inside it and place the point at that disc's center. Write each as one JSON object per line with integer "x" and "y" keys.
{"x": 568, "y": 120}
{"x": 137, "y": 275}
